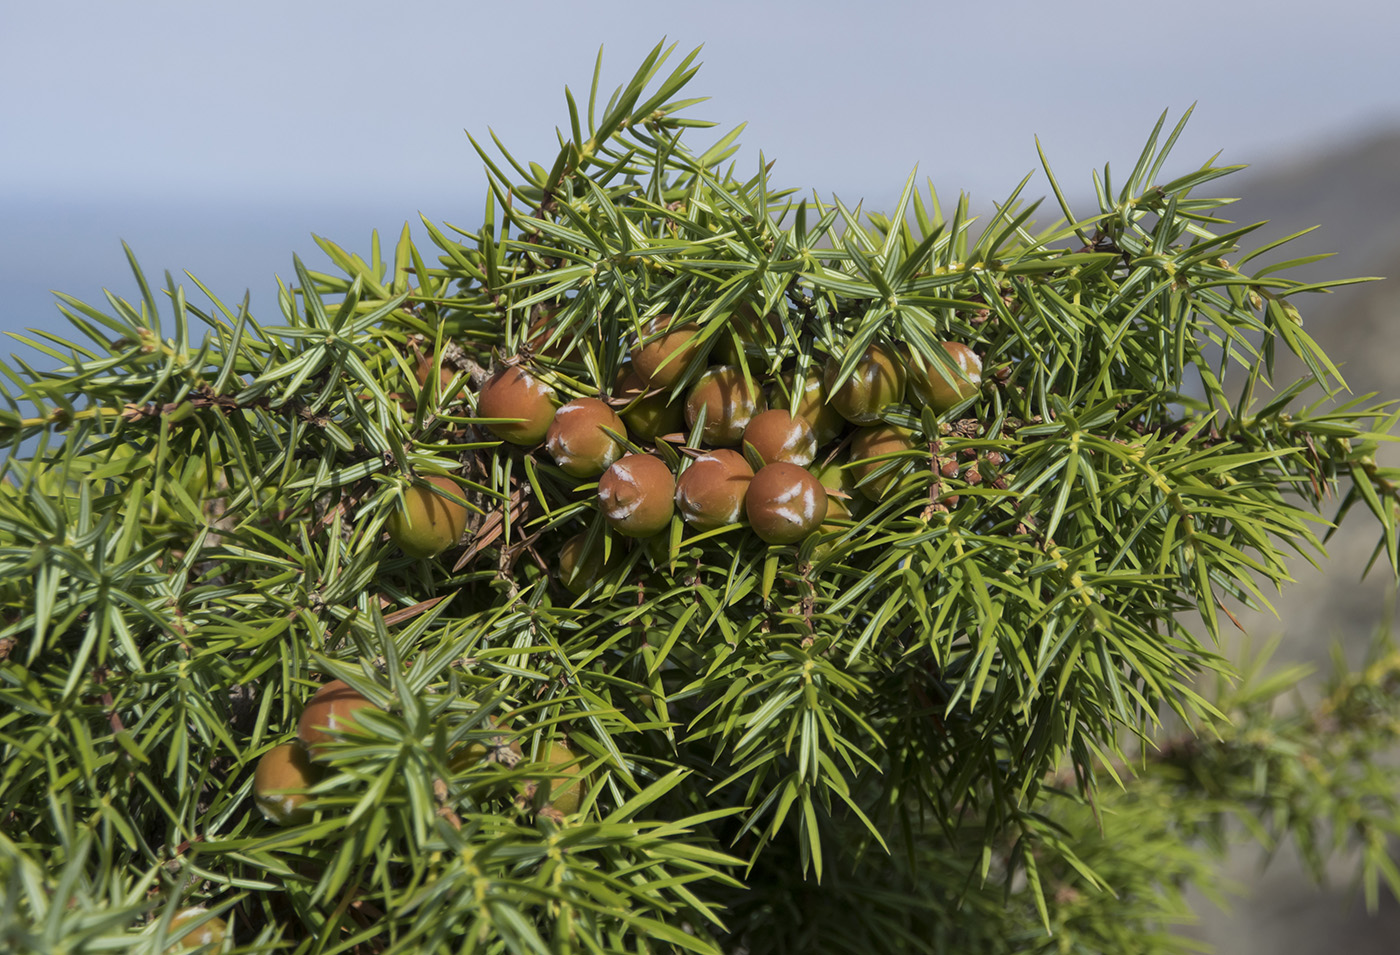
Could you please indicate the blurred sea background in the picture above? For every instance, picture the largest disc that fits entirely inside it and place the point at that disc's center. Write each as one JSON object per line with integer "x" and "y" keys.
{"x": 218, "y": 142}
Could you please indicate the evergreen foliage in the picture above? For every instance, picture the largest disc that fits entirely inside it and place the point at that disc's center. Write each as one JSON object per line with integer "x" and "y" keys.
{"x": 969, "y": 715}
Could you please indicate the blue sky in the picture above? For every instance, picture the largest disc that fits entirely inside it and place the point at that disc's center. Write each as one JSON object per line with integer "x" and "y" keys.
{"x": 217, "y": 137}
{"x": 299, "y": 97}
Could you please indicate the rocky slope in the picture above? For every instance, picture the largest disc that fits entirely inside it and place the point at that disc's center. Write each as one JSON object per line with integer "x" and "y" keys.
{"x": 1353, "y": 192}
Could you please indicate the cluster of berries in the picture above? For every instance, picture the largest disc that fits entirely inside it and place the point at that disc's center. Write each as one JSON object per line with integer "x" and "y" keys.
{"x": 285, "y": 774}
{"x": 754, "y": 463}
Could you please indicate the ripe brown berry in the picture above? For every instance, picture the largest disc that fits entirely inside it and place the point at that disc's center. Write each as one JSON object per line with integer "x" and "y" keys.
{"x": 710, "y": 492}
{"x": 776, "y": 435}
{"x": 785, "y": 503}
{"x": 330, "y": 712}
{"x": 542, "y": 330}
{"x": 636, "y": 495}
{"x": 514, "y": 393}
{"x": 283, "y": 775}
{"x": 423, "y": 370}
{"x": 876, "y": 382}
{"x": 729, "y": 402}
{"x": 825, "y": 420}
{"x": 872, "y": 443}
{"x": 578, "y": 438}
{"x": 665, "y": 351}
{"x": 941, "y": 388}
{"x": 428, "y": 523}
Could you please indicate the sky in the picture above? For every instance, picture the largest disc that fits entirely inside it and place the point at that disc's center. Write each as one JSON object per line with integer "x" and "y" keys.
{"x": 218, "y": 137}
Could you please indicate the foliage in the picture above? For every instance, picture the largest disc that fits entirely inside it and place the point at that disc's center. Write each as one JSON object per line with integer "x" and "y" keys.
{"x": 968, "y": 718}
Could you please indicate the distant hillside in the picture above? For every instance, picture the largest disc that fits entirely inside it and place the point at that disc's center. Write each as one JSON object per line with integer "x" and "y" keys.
{"x": 1351, "y": 190}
